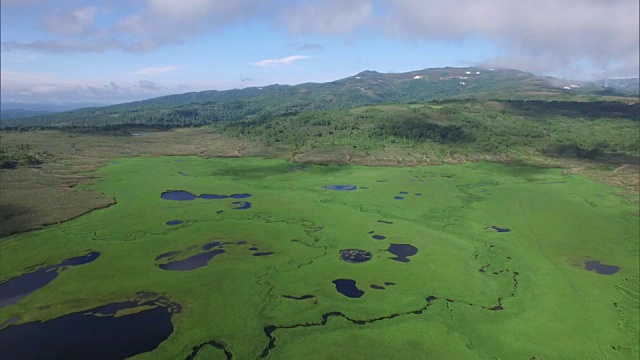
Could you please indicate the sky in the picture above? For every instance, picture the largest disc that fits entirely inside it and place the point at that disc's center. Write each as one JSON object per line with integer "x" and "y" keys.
{"x": 112, "y": 51}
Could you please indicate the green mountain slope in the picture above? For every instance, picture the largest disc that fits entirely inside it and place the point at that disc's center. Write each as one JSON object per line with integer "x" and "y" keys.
{"x": 365, "y": 88}
{"x": 22, "y": 113}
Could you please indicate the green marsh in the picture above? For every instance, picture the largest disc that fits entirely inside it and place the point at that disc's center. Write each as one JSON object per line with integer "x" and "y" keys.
{"x": 510, "y": 295}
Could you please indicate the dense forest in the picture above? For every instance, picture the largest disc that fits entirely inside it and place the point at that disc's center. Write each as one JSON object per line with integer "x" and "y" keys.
{"x": 584, "y": 130}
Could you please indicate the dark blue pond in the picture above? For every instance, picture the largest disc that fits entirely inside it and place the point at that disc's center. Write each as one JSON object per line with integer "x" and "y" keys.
{"x": 193, "y": 262}
{"x": 240, "y": 196}
{"x": 263, "y": 253}
{"x": 355, "y": 255}
{"x": 213, "y": 197}
{"x": 501, "y": 230}
{"x": 418, "y": 194}
{"x": 253, "y": 248}
{"x": 174, "y": 222}
{"x": 340, "y": 187}
{"x": 404, "y": 192}
{"x": 90, "y": 334}
{"x": 303, "y": 297}
{"x": 389, "y": 283}
{"x": 402, "y": 251}
{"x": 211, "y": 245}
{"x": 398, "y": 197}
{"x": 181, "y": 195}
{"x": 379, "y": 237}
{"x": 183, "y": 174}
{"x": 377, "y": 287}
{"x": 599, "y": 268}
{"x": 347, "y": 287}
{"x": 385, "y": 221}
{"x": 79, "y": 260}
{"x": 178, "y": 195}
{"x": 17, "y": 288}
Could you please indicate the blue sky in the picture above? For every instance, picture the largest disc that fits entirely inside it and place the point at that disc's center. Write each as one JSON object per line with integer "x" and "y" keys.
{"x": 117, "y": 50}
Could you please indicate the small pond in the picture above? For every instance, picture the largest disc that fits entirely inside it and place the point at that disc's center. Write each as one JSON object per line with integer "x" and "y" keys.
{"x": 193, "y": 262}
{"x": 263, "y": 253}
{"x": 600, "y": 268}
{"x": 303, "y": 297}
{"x": 347, "y": 287}
{"x": 402, "y": 251}
{"x": 500, "y": 230}
{"x": 181, "y": 195}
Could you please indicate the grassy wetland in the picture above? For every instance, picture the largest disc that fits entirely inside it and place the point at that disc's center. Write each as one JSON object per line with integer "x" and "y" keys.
{"x": 264, "y": 258}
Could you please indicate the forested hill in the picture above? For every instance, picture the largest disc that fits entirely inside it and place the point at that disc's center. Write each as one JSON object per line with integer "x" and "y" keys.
{"x": 365, "y": 88}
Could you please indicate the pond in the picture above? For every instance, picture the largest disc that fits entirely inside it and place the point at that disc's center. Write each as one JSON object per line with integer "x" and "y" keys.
{"x": 600, "y": 268}
{"x": 263, "y": 253}
{"x": 500, "y": 230}
{"x": 182, "y": 195}
{"x": 347, "y": 287}
{"x": 17, "y": 288}
{"x": 193, "y": 262}
{"x": 402, "y": 251}
{"x": 105, "y": 332}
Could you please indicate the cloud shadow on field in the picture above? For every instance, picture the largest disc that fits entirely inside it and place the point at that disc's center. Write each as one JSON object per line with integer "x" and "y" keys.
{"x": 583, "y": 110}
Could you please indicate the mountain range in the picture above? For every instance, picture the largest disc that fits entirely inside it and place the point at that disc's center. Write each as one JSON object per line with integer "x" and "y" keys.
{"x": 364, "y": 88}
{"x": 12, "y": 110}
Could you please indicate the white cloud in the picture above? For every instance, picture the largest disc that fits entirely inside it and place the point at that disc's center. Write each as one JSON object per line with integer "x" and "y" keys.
{"x": 282, "y": 61}
{"x": 183, "y": 9}
{"x": 74, "y": 22}
{"x": 155, "y": 70}
{"x": 563, "y": 34}
{"x": 332, "y": 17}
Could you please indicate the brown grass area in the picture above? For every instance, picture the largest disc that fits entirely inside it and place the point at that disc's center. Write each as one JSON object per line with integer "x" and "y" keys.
{"x": 31, "y": 198}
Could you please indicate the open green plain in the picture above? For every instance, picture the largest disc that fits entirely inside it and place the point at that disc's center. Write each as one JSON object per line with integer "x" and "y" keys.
{"x": 552, "y": 307}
